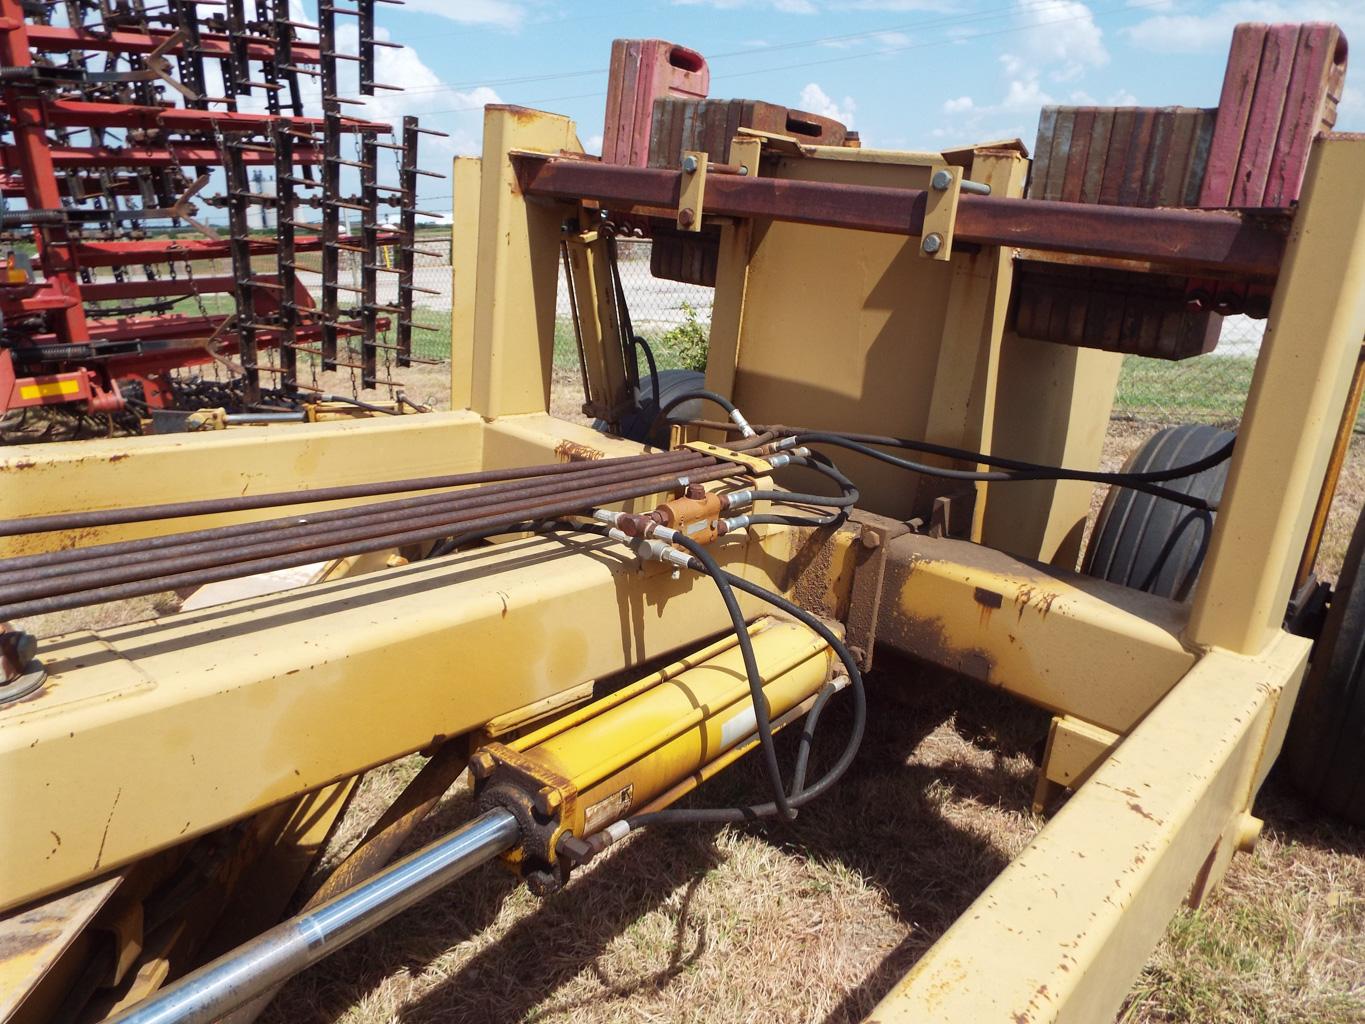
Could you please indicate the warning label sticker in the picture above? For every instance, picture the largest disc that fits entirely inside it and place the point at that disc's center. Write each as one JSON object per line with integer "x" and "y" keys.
{"x": 608, "y": 809}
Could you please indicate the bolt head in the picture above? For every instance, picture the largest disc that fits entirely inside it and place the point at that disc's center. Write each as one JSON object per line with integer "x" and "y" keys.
{"x": 871, "y": 539}
{"x": 689, "y": 164}
{"x": 686, "y": 217}
{"x": 941, "y": 180}
{"x": 932, "y": 243}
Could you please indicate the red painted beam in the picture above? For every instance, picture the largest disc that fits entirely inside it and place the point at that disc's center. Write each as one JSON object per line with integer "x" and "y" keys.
{"x": 78, "y": 114}
{"x": 1188, "y": 240}
{"x": 177, "y": 250}
{"x": 53, "y": 38}
{"x": 172, "y": 155}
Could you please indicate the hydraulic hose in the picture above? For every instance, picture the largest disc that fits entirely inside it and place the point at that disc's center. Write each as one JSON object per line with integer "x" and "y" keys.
{"x": 798, "y": 798}
{"x": 1132, "y": 481}
{"x": 735, "y": 415}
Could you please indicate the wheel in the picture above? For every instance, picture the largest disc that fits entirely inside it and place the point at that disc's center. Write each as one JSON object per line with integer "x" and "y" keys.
{"x": 1152, "y": 543}
{"x": 636, "y": 423}
{"x": 1325, "y": 749}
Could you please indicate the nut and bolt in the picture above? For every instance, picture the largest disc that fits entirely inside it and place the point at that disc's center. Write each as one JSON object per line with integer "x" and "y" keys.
{"x": 695, "y": 491}
{"x": 689, "y": 164}
{"x": 942, "y": 180}
{"x": 686, "y": 216}
{"x": 932, "y": 243}
{"x": 870, "y": 539}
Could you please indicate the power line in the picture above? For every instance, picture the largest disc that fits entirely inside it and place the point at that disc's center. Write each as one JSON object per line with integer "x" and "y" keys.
{"x": 963, "y": 19}
{"x": 860, "y": 56}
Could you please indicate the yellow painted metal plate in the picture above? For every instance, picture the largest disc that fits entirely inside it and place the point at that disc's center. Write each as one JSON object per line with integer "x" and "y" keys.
{"x": 752, "y": 463}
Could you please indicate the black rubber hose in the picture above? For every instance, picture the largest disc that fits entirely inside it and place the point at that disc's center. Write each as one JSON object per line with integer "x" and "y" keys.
{"x": 687, "y": 396}
{"x": 707, "y": 564}
{"x": 653, "y": 368}
{"x": 1221, "y": 454}
{"x": 732, "y": 815}
{"x": 847, "y": 499}
{"x": 1035, "y": 473}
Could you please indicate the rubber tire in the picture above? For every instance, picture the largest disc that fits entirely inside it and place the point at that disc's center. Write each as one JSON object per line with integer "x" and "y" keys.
{"x": 1325, "y": 749}
{"x": 1151, "y": 543}
{"x": 635, "y": 424}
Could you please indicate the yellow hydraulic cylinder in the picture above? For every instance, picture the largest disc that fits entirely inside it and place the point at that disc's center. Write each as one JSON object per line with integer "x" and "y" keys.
{"x": 618, "y": 756}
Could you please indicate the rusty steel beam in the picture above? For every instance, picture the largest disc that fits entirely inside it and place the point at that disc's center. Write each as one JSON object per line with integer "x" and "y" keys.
{"x": 82, "y": 114}
{"x": 58, "y": 39}
{"x": 1185, "y": 239}
{"x": 172, "y": 155}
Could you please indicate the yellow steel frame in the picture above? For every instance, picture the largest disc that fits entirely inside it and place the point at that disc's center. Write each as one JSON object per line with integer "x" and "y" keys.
{"x": 1170, "y": 713}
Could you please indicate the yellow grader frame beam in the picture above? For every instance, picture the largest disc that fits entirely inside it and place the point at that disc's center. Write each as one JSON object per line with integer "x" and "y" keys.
{"x": 1169, "y": 715}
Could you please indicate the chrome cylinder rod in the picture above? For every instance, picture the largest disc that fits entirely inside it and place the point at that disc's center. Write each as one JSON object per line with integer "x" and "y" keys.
{"x": 236, "y": 977}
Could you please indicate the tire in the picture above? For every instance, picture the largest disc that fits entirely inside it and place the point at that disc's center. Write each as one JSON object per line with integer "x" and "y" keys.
{"x": 1325, "y": 749}
{"x": 636, "y": 423}
{"x": 1151, "y": 543}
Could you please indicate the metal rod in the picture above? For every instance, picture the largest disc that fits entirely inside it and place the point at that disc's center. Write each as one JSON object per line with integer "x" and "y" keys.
{"x": 223, "y": 545}
{"x": 232, "y": 980}
{"x": 275, "y": 499}
{"x": 363, "y": 541}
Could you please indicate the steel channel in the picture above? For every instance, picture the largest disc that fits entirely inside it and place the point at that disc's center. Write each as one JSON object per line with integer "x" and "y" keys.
{"x": 223, "y": 985}
{"x": 363, "y": 544}
{"x": 268, "y": 537}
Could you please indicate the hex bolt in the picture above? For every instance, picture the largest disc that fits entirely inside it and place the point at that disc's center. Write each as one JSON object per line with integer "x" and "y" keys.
{"x": 870, "y": 539}
{"x": 932, "y": 243}
{"x": 743, "y": 170}
{"x": 686, "y": 216}
{"x": 941, "y": 180}
{"x": 689, "y": 164}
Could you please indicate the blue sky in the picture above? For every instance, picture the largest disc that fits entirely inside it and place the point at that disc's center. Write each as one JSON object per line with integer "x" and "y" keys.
{"x": 918, "y": 74}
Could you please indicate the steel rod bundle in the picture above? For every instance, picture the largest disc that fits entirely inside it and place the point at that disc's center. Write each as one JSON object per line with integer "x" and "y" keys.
{"x": 60, "y": 580}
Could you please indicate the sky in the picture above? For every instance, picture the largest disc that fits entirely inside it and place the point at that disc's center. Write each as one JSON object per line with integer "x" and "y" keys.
{"x": 907, "y": 74}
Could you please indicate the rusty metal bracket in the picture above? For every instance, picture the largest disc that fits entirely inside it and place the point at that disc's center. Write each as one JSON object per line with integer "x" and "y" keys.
{"x": 693, "y": 191}
{"x": 865, "y": 596}
{"x": 755, "y": 465}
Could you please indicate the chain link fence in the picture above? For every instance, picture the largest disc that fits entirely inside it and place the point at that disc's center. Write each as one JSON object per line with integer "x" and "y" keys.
{"x": 1204, "y": 389}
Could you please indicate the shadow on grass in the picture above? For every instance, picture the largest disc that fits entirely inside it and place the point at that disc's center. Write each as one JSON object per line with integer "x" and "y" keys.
{"x": 894, "y": 820}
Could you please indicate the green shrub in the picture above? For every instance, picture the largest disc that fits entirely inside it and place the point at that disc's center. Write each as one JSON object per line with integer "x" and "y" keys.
{"x": 685, "y": 345}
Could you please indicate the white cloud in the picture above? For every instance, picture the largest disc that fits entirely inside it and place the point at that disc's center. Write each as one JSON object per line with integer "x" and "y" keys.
{"x": 958, "y": 106}
{"x": 815, "y": 100}
{"x": 795, "y": 7}
{"x": 1060, "y": 35}
{"x": 497, "y": 13}
{"x": 1211, "y": 30}
{"x": 594, "y": 143}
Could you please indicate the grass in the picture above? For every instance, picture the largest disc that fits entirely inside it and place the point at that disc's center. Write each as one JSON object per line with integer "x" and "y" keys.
{"x": 1208, "y": 389}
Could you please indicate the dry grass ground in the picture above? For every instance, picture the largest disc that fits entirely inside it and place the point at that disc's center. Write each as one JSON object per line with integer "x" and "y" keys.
{"x": 814, "y": 922}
